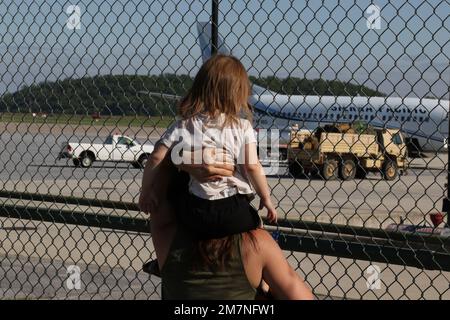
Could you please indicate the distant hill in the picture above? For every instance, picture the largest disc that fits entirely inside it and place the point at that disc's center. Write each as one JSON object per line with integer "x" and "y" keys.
{"x": 319, "y": 87}
{"x": 118, "y": 94}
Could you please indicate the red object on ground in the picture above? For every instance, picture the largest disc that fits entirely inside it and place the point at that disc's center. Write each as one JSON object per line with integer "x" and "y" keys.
{"x": 436, "y": 218}
{"x": 96, "y": 115}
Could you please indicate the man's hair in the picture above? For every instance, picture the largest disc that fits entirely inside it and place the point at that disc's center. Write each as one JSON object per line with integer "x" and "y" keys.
{"x": 220, "y": 86}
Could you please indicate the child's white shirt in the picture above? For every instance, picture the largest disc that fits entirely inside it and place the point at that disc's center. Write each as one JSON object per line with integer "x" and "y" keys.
{"x": 203, "y": 133}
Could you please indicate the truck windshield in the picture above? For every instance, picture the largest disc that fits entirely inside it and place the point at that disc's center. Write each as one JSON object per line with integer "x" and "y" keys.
{"x": 109, "y": 140}
{"x": 125, "y": 141}
{"x": 397, "y": 139}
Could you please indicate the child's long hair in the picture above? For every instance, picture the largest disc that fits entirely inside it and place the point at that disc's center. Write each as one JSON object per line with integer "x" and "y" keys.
{"x": 220, "y": 86}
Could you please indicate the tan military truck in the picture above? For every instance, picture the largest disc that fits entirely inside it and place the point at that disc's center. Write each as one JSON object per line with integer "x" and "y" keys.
{"x": 341, "y": 151}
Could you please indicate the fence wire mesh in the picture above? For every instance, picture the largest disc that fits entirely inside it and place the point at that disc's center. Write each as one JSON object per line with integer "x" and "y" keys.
{"x": 358, "y": 92}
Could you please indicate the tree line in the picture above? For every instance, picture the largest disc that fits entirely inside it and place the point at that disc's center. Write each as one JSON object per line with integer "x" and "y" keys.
{"x": 123, "y": 94}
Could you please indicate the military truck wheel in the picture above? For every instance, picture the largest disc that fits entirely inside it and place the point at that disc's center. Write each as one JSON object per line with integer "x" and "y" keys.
{"x": 361, "y": 173}
{"x": 296, "y": 170}
{"x": 330, "y": 170}
{"x": 76, "y": 162}
{"x": 390, "y": 170}
{"x": 347, "y": 170}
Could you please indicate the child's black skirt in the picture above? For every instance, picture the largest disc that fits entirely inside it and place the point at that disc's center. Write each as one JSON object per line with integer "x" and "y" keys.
{"x": 209, "y": 219}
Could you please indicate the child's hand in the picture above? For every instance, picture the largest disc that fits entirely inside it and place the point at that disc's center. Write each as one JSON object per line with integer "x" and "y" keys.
{"x": 271, "y": 212}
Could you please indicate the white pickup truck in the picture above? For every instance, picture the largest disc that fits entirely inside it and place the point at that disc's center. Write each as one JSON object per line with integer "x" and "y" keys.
{"x": 117, "y": 148}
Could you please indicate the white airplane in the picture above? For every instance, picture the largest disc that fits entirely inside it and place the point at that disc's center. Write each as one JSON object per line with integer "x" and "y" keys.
{"x": 425, "y": 121}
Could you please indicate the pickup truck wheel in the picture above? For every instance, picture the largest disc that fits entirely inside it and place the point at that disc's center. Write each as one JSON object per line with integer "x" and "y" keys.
{"x": 390, "y": 170}
{"x": 330, "y": 170}
{"x": 86, "y": 161}
{"x": 143, "y": 161}
{"x": 347, "y": 170}
{"x": 136, "y": 165}
{"x": 76, "y": 162}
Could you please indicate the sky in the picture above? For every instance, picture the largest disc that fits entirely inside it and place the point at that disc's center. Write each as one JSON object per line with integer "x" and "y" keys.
{"x": 408, "y": 56}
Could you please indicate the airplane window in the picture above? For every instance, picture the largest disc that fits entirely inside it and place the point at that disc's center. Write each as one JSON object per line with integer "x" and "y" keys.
{"x": 384, "y": 118}
{"x": 402, "y": 119}
{"x": 420, "y": 119}
{"x": 366, "y": 117}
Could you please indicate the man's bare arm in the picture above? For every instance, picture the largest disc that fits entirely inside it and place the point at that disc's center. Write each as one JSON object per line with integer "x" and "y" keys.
{"x": 148, "y": 198}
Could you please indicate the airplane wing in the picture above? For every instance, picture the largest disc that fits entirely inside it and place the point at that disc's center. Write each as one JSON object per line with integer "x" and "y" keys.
{"x": 161, "y": 95}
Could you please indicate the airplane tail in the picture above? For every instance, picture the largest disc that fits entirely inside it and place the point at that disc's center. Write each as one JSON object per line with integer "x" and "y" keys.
{"x": 204, "y": 37}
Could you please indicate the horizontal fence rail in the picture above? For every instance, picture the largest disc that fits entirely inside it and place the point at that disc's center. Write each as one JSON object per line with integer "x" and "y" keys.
{"x": 414, "y": 254}
{"x": 427, "y": 252}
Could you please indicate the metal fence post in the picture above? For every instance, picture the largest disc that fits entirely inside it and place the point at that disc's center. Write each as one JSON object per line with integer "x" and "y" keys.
{"x": 214, "y": 26}
{"x": 447, "y": 199}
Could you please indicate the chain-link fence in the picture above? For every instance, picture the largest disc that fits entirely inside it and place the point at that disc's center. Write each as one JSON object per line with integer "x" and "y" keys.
{"x": 357, "y": 90}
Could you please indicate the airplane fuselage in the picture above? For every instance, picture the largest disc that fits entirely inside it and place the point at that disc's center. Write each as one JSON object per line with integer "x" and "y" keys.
{"x": 423, "y": 119}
